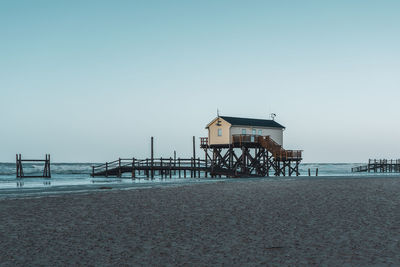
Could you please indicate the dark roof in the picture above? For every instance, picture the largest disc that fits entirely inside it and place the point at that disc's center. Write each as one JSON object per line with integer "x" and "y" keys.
{"x": 252, "y": 122}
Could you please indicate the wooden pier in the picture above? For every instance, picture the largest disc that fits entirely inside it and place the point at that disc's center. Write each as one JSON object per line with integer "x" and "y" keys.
{"x": 247, "y": 156}
{"x": 381, "y": 165}
{"x": 152, "y": 167}
{"x": 20, "y": 169}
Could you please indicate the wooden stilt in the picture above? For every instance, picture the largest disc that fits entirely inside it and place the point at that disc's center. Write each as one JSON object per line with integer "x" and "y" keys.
{"x": 152, "y": 157}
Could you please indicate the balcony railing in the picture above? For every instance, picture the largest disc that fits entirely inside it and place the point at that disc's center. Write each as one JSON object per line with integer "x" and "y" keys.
{"x": 267, "y": 142}
{"x": 245, "y": 138}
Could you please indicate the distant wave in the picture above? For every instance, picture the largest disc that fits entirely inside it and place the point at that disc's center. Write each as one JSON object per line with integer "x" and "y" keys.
{"x": 7, "y": 169}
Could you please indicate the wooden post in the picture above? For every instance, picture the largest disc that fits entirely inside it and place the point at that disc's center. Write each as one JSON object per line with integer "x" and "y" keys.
{"x": 243, "y": 159}
{"x": 170, "y": 167}
{"x": 133, "y": 169}
{"x": 213, "y": 161}
{"x": 206, "y": 162}
{"x": 17, "y": 165}
{"x": 369, "y": 163}
{"x": 194, "y": 147}
{"x": 21, "y": 170}
{"x": 106, "y": 169}
{"x": 174, "y": 162}
{"x": 194, "y": 158}
{"x": 161, "y": 171}
{"x": 45, "y": 166}
{"x": 45, "y": 172}
{"x": 316, "y": 172}
{"x": 199, "y": 166}
{"x": 49, "y": 172}
{"x": 309, "y": 172}
{"x": 179, "y": 165}
{"x": 147, "y": 168}
{"x": 152, "y": 157}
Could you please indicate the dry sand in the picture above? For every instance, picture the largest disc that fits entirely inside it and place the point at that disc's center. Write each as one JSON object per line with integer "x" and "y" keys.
{"x": 245, "y": 223}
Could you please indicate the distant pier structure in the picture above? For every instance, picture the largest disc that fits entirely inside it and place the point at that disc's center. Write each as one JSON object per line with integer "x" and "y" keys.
{"x": 20, "y": 168}
{"x": 235, "y": 147}
{"x": 379, "y": 165}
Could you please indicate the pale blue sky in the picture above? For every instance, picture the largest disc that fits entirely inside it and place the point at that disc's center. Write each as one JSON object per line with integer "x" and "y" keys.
{"x": 93, "y": 80}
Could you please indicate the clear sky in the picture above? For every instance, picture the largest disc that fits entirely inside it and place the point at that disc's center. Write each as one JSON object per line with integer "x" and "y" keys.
{"x": 93, "y": 80}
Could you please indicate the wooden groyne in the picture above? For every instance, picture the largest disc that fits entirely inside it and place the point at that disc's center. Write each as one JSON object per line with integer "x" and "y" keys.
{"x": 381, "y": 165}
{"x": 20, "y": 169}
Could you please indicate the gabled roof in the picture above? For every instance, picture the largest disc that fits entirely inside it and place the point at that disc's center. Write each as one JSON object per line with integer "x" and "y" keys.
{"x": 235, "y": 121}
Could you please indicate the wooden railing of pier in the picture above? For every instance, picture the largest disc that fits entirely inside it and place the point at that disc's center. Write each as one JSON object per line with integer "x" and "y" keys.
{"x": 277, "y": 151}
{"x": 164, "y": 167}
{"x": 379, "y": 165}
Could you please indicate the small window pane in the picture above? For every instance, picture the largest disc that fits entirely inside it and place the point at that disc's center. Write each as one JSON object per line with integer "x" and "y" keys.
{"x": 243, "y": 131}
{"x": 254, "y": 131}
{"x": 259, "y": 132}
{"x": 219, "y": 132}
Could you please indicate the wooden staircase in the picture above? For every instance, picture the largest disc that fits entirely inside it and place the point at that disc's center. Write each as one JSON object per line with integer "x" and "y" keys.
{"x": 277, "y": 151}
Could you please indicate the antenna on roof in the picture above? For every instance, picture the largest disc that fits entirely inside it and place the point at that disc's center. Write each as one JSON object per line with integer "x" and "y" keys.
{"x": 273, "y": 115}
{"x": 219, "y": 121}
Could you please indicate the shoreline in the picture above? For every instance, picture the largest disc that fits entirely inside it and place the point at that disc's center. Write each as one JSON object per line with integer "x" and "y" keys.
{"x": 121, "y": 184}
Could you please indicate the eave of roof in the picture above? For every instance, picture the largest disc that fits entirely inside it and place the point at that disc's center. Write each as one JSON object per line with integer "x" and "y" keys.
{"x": 235, "y": 121}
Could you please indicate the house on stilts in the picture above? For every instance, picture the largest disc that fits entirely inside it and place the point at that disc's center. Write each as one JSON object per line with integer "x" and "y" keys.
{"x": 243, "y": 147}
{"x": 235, "y": 147}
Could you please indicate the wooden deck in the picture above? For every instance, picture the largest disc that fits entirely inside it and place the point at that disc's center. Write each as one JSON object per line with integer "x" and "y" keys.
{"x": 381, "y": 165}
{"x": 150, "y": 168}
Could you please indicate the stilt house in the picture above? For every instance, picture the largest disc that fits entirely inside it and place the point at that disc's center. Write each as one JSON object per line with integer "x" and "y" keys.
{"x": 242, "y": 147}
{"x": 223, "y": 130}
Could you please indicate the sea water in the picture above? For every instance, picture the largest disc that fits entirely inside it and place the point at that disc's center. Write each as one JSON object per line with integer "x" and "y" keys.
{"x": 77, "y": 175}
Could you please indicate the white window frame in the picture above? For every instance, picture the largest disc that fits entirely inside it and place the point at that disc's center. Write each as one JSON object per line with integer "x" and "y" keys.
{"x": 219, "y": 131}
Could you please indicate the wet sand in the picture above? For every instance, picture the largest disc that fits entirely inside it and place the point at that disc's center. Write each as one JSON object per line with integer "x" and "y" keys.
{"x": 256, "y": 222}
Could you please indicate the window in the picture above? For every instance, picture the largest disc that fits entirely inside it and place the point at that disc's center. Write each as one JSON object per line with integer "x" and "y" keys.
{"x": 259, "y": 132}
{"x": 219, "y": 132}
{"x": 243, "y": 131}
{"x": 254, "y": 132}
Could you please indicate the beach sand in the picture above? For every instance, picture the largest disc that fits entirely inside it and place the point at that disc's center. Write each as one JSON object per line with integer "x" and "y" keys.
{"x": 240, "y": 223}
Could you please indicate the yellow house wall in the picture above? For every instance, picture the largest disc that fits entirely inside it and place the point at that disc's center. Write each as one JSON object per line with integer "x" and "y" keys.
{"x": 213, "y": 137}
